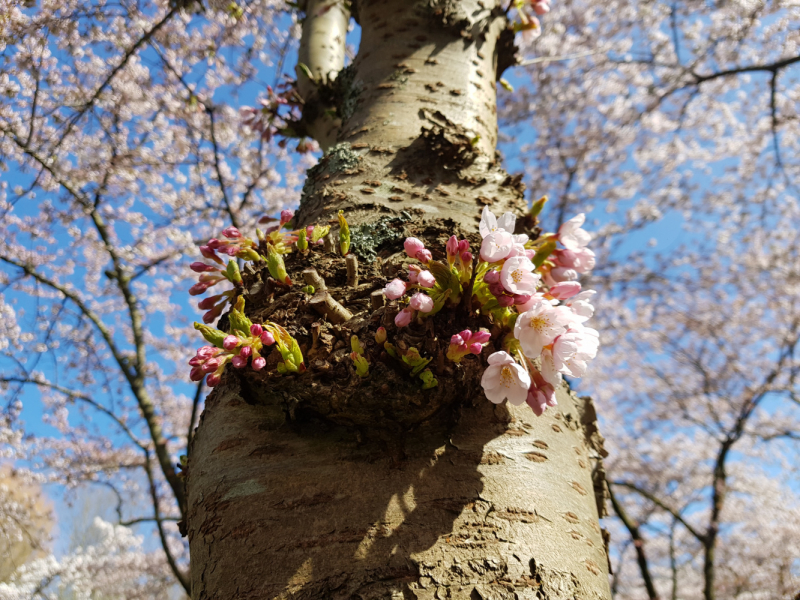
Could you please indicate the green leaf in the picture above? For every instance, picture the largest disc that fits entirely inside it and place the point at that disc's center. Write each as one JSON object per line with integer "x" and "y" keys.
{"x": 428, "y": 380}
{"x": 238, "y": 320}
{"x": 232, "y": 272}
{"x": 319, "y": 232}
{"x": 344, "y": 234}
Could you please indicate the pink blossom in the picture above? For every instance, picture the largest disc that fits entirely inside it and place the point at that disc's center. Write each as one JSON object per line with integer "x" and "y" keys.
{"x": 413, "y": 273}
{"x": 239, "y": 362}
{"x": 426, "y": 279}
{"x": 213, "y": 380}
{"x": 581, "y": 260}
{"x": 231, "y": 233}
{"x": 256, "y": 330}
{"x": 394, "y": 289}
{"x": 200, "y": 267}
{"x": 491, "y": 224}
{"x": 542, "y": 7}
{"x": 424, "y": 255}
{"x": 452, "y": 246}
{"x": 517, "y": 276}
{"x": 504, "y": 378}
{"x": 259, "y": 363}
{"x": 412, "y": 246}
{"x": 196, "y": 374}
{"x": 246, "y": 351}
{"x": 560, "y": 274}
{"x": 421, "y": 302}
{"x": 571, "y": 235}
{"x": 539, "y": 326}
{"x": 496, "y": 246}
{"x": 404, "y": 317}
{"x": 267, "y": 338}
{"x": 492, "y": 276}
{"x": 230, "y": 342}
{"x": 565, "y": 290}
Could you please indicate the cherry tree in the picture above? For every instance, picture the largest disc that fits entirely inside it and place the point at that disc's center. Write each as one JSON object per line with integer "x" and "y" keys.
{"x": 130, "y": 137}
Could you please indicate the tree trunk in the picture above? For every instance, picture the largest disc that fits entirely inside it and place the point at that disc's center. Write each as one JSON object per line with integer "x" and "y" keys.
{"x": 332, "y": 491}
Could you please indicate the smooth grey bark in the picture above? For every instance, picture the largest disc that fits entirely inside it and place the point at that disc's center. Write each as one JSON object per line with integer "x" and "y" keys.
{"x": 480, "y": 501}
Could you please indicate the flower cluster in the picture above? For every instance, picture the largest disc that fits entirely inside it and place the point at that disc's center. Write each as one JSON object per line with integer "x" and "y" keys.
{"x": 465, "y": 343}
{"x": 549, "y": 309}
{"x": 437, "y": 284}
{"x": 244, "y": 344}
{"x": 528, "y": 24}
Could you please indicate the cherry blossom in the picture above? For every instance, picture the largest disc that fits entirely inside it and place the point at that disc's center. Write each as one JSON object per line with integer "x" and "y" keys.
{"x": 505, "y": 379}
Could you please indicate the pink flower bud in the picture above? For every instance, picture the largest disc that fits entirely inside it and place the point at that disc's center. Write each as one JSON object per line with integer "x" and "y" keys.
{"x": 529, "y": 254}
{"x": 246, "y": 352}
{"x": 560, "y": 274}
{"x": 207, "y": 352}
{"x": 475, "y": 348}
{"x": 207, "y": 303}
{"x": 463, "y": 246}
{"x": 466, "y": 258}
{"x": 413, "y": 273}
{"x": 394, "y": 289}
{"x": 492, "y": 276}
{"x": 213, "y": 380}
{"x": 211, "y": 365}
{"x": 412, "y": 246}
{"x": 421, "y": 302}
{"x": 267, "y": 338}
{"x": 208, "y": 253}
{"x": 200, "y": 267}
{"x": 231, "y": 250}
{"x": 481, "y": 337}
{"x": 424, "y": 255}
{"x": 466, "y": 335}
{"x": 505, "y": 300}
{"x": 196, "y": 361}
{"x": 196, "y": 374}
{"x": 214, "y": 244}
{"x": 404, "y": 317}
{"x": 452, "y": 246}
{"x": 256, "y": 330}
{"x": 496, "y": 288}
{"x": 210, "y": 316}
{"x": 199, "y": 288}
{"x": 286, "y": 216}
{"x": 239, "y": 362}
{"x": 231, "y": 233}
{"x": 426, "y": 279}
{"x": 259, "y": 363}
{"x": 522, "y": 298}
{"x": 380, "y": 335}
{"x": 456, "y": 340}
{"x": 230, "y": 342}
{"x": 542, "y": 7}
{"x": 565, "y": 289}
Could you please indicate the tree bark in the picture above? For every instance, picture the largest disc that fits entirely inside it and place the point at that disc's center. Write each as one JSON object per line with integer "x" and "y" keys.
{"x": 474, "y": 501}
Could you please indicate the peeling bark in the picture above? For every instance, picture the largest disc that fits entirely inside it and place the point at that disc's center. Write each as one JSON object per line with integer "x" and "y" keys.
{"x": 391, "y": 491}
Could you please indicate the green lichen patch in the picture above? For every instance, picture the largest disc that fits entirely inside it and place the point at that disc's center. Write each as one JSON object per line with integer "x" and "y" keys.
{"x": 366, "y": 240}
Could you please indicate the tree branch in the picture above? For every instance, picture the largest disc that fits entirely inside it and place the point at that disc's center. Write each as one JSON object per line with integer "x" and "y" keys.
{"x": 655, "y": 500}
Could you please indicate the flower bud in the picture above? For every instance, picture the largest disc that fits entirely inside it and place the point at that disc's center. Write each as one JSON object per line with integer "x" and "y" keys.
{"x": 475, "y": 348}
{"x": 239, "y": 362}
{"x": 207, "y": 352}
{"x": 426, "y": 279}
{"x": 259, "y": 363}
{"x": 380, "y": 335}
{"x": 463, "y": 246}
{"x": 424, "y": 255}
{"x": 211, "y": 315}
{"x": 230, "y": 342}
{"x": 466, "y": 335}
{"x": 256, "y": 330}
{"x": 466, "y": 258}
{"x": 196, "y": 361}
{"x": 286, "y": 216}
{"x": 481, "y": 337}
{"x": 394, "y": 289}
{"x": 231, "y": 233}
{"x": 207, "y": 303}
{"x": 412, "y": 246}
{"x": 196, "y": 374}
{"x": 560, "y": 274}
{"x": 421, "y": 302}
{"x": 246, "y": 352}
{"x": 496, "y": 288}
{"x": 456, "y": 340}
{"x": 522, "y": 298}
{"x": 208, "y": 253}
{"x": 201, "y": 267}
{"x": 213, "y": 244}
{"x": 267, "y": 338}
{"x": 505, "y": 301}
{"x": 452, "y": 246}
{"x": 199, "y": 288}
{"x": 413, "y": 273}
{"x": 404, "y": 317}
{"x": 492, "y": 276}
{"x": 211, "y": 364}
{"x": 213, "y": 380}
